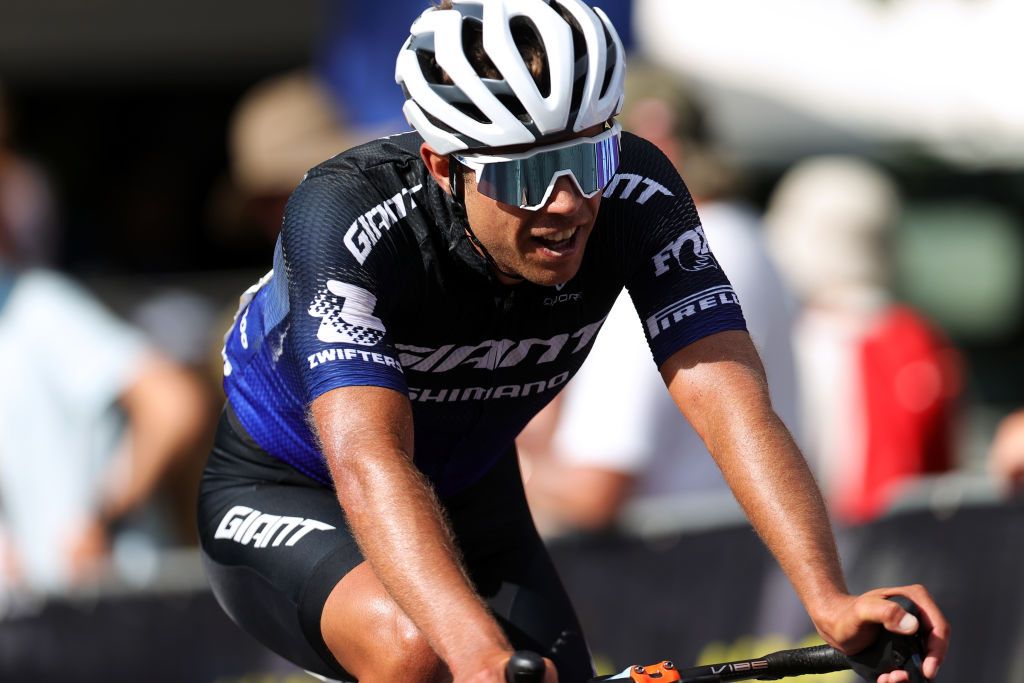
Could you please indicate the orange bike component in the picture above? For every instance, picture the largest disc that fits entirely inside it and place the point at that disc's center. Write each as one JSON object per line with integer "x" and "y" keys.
{"x": 665, "y": 672}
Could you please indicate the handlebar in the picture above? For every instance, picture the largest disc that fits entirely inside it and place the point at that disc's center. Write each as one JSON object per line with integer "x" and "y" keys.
{"x": 891, "y": 651}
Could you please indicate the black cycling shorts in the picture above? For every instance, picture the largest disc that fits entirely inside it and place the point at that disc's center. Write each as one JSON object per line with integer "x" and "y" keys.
{"x": 275, "y": 544}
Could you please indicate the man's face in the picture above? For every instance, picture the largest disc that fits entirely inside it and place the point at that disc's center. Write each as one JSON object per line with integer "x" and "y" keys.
{"x": 543, "y": 246}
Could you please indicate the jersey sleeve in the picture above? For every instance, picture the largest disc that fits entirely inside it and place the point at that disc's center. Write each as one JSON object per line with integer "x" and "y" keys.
{"x": 678, "y": 287}
{"x": 340, "y": 297}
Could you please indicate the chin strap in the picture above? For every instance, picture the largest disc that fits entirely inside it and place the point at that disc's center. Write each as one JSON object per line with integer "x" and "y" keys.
{"x": 455, "y": 183}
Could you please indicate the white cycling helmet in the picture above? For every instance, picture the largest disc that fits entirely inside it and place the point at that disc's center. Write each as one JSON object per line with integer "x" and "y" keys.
{"x": 584, "y": 86}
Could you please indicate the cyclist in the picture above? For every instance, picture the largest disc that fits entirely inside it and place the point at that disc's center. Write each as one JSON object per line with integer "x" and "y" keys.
{"x": 362, "y": 512}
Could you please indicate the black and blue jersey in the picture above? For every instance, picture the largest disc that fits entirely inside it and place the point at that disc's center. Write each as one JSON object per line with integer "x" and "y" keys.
{"x": 375, "y": 283}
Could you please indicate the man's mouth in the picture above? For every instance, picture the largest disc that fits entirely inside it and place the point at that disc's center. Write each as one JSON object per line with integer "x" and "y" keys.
{"x": 560, "y": 241}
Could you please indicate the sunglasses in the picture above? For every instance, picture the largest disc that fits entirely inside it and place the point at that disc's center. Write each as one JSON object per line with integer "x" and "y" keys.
{"x": 526, "y": 179}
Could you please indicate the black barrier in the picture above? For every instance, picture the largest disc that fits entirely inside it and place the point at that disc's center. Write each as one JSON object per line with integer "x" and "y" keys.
{"x": 691, "y": 597}
{"x": 156, "y": 638}
{"x": 718, "y": 595}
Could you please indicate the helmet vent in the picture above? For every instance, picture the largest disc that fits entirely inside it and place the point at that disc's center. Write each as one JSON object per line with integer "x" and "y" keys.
{"x": 527, "y": 38}
{"x": 579, "y": 51}
{"x": 610, "y": 67}
{"x": 472, "y": 111}
{"x": 473, "y": 45}
{"x": 578, "y": 85}
{"x": 579, "y": 43}
{"x": 433, "y": 73}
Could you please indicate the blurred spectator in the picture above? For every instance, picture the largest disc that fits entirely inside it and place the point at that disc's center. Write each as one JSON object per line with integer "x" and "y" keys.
{"x": 587, "y": 456}
{"x": 91, "y": 420}
{"x": 1007, "y": 454}
{"x": 26, "y": 202}
{"x": 878, "y": 381}
{"x": 281, "y": 128}
{"x": 187, "y": 328}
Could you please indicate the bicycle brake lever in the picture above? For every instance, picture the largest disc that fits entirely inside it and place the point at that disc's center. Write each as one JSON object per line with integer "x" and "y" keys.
{"x": 893, "y": 651}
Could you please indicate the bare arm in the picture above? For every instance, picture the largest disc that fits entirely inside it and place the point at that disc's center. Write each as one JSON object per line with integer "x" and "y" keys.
{"x": 719, "y": 385}
{"x": 167, "y": 412}
{"x": 367, "y": 437}
{"x": 579, "y": 497}
{"x": 563, "y": 494}
{"x": 1006, "y": 459}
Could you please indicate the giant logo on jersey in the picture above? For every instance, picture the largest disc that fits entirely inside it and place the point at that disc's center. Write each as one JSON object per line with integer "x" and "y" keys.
{"x": 367, "y": 229}
{"x": 492, "y": 354}
{"x": 625, "y": 185}
{"x": 346, "y": 314}
{"x": 690, "y": 250}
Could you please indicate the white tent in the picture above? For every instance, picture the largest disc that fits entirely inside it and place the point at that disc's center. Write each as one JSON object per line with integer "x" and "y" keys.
{"x": 942, "y": 74}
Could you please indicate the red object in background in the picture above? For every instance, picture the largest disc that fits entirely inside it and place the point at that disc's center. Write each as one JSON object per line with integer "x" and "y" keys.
{"x": 910, "y": 377}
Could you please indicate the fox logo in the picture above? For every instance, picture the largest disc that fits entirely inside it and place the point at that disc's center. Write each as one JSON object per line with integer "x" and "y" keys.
{"x": 690, "y": 250}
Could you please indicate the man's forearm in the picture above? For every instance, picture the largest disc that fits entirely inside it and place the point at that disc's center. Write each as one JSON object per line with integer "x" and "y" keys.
{"x": 167, "y": 417}
{"x": 403, "y": 535}
{"x": 719, "y": 384}
{"x": 772, "y": 482}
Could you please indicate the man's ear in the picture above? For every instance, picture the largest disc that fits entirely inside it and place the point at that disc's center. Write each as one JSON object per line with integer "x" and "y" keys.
{"x": 437, "y": 165}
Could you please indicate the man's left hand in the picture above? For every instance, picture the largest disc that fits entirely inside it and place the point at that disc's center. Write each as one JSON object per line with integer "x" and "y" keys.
{"x": 851, "y": 624}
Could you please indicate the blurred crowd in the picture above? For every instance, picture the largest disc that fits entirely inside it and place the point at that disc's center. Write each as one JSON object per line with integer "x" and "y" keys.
{"x": 105, "y": 417}
{"x": 96, "y": 421}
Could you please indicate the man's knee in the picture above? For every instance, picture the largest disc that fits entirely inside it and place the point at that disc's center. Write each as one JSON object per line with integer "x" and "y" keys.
{"x": 412, "y": 658}
{"x": 399, "y": 652}
{"x": 372, "y": 638}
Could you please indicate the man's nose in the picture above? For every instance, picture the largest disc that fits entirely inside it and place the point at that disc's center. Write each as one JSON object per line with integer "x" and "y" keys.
{"x": 565, "y": 198}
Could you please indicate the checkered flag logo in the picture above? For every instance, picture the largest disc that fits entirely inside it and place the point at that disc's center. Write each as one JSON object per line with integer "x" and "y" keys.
{"x": 346, "y": 315}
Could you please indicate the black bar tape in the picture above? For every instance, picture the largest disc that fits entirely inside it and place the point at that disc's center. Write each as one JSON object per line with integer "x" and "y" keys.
{"x": 820, "y": 659}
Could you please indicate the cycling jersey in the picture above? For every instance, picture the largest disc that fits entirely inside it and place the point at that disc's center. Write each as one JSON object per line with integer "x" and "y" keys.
{"x": 375, "y": 283}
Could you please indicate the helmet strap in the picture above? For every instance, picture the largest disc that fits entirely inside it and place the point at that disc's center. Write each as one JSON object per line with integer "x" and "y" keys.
{"x": 456, "y": 181}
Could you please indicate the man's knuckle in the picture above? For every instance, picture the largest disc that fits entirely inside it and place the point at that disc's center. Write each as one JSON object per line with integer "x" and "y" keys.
{"x": 891, "y": 611}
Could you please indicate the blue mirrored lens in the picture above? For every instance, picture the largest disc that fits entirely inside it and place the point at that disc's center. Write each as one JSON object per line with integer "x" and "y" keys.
{"x": 525, "y": 182}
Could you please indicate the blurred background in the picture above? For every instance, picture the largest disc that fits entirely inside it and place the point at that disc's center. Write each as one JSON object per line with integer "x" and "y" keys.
{"x": 859, "y": 169}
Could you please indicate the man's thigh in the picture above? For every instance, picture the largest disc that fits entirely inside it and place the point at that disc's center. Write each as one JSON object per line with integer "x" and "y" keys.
{"x": 273, "y": 553}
